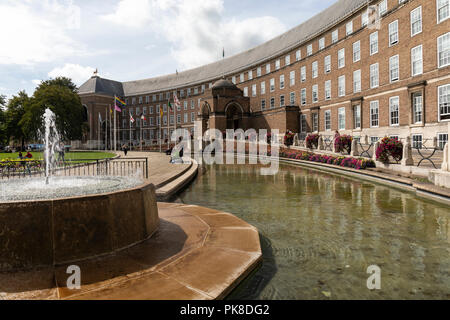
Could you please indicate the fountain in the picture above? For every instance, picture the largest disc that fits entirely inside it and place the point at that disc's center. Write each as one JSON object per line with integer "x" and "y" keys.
{"x": 60, "y": 217}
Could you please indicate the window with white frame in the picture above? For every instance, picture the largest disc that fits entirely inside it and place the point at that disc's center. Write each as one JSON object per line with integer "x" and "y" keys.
{"x": 242, "y": 77}
{"x": 309, "y": 50}
{"x": 245, "y": 92}
{"x": 443, "y": 10}
{"x": 315, "y": 69}
{"x": 315, "y": 93}
{"x": 263, "y": 104}
{"x": 303, "y": 96}
{"x": 272, "y": 85}
{"x": 298, "y": 55}
{"x": 193, "y": 104}
{"x": 335, "y": 36}
{"x": 416, "y": 21}
{"x": 287, "y": 60}
{"x": 327, "y": 118}
{"x": 416, "y": 61}
{"x": 272, "y": 103}
{"x": 442, "y": 140}
{"x": 444, "y": 50}
{"x": 178, "y": 118}
{"x": 444, "y": 102}
{"x": 258, "y": 72}
{"x": 394, "y": 68}
{"x": 356, "y": 81}
{"x": 250, "y": 75}
{"x": 186, "y": 118}
{"x": 373, "y": 43}
{"x": 341, "y": 58}
{"x": 263, "y": 87}
{"x": 292, "y": 78}
{"x": 341, "y": 118}
{"x": 382, "y": 7}
{"x": 267, "y": 68}
{"x": 349, "y": 28}
{"x": 321, "y": 43}
{"x": 374, "y": 113}
{"x": 356, "y": 51}
{"x": 417, "y": 141}
{"x": 277, "y": 64}
{"x": 203, "y": 88}
{"x": 292, "y": 98}
{"x": 365, "y": 18}
{"x": 315, "y": 122}
{"x": 394, "y": 111}
{"x": 374, "y": 76}
{"x": 150, "y": 109}
{"x": 357, "y": 116}
{"x": 303, "y": 74}
{"x": 327, "y": 64}
{"x": 253, "y": 90}
{"x": 192, "y": 116}
{"x": 233, "y": 79}
{"x": 303, "y": 123}
{"x": 341, "y": 86}
{"x": 417, "y": 106}
{"x": 393, "y": 33}
{"x": 154, "y": 97}
{"x": 328, "y": 90}
{"x": 282, "y": 100}
{"x": 282, "y": 81}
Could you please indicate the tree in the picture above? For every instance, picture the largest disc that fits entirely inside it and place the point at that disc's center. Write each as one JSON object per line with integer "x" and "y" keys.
{"x": 60, "y": 95}
{"x": 2, "y": 120}
{"x": 14, "y": 113}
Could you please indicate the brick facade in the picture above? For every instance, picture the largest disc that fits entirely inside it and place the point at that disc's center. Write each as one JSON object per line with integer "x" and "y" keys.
{"x": 289, "y": 115}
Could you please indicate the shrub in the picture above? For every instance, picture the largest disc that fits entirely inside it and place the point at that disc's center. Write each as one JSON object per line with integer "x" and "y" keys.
{"x": 389, "y": 147}
{"x": 312, "y": 141}
{"x": 343, "y": 143}
{"x": 289, "y": 138}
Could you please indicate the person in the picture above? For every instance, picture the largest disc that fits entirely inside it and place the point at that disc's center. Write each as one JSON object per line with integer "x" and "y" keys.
{"x": 61, "y": 152}
{"x": 125, "y": 149}
{"x": 20, "y": 156}
{"x": 29, "y": 155}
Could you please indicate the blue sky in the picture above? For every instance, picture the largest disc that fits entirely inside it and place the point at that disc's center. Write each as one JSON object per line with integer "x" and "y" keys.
{"x": 132, "y": 39}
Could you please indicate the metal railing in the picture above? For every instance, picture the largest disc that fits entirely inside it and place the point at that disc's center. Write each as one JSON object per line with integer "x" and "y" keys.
{"x": 427, "y": 151}
{"x": 80, "y": 167}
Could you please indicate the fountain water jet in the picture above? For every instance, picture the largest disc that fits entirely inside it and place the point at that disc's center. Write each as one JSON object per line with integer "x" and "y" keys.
{"x": 51, "y": 141}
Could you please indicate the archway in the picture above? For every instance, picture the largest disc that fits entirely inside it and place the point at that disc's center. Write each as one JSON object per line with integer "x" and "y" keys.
{"x": 205, "y": 117}
{"x": 234, "y": 115}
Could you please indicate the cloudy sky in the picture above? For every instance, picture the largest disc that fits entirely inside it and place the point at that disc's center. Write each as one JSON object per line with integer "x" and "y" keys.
{"x": 132, "y": 39}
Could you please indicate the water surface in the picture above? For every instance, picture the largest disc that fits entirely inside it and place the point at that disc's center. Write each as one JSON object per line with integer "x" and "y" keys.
{"x": 320, "y": 232}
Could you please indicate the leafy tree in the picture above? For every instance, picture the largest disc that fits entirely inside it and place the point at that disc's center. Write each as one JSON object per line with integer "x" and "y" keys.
{"x": 14, "y": 113}
{"x": 2, "y": 120}
{"x": 60, "y": 95}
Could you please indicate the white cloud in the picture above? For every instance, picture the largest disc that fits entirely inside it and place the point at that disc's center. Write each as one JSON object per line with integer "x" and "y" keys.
{"x": 197, "y": 30}
{"x": 37, "y": 31}
{"x": 77, "y": 73}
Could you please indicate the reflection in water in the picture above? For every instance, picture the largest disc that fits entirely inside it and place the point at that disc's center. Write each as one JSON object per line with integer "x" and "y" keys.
{"x": 320, "y": 232}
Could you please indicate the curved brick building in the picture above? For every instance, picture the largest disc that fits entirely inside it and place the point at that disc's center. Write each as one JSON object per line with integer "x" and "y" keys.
{"x": 365, "y": 68}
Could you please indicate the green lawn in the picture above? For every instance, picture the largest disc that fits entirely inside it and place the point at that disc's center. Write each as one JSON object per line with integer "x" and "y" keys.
{"x": 68, "y": 156}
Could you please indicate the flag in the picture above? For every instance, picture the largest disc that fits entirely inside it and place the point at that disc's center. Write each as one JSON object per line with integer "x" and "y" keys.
{"x": 161, "y": 112}
{"x": 143, "y": 117}
{"x": 110, "y": 110}
{"x": 100, "y": 117}
{"x": 131, "y": 118}
{"x": 170, "y": 106}
{"x": 177, "y": 102}
{"x": 118, "y": 104}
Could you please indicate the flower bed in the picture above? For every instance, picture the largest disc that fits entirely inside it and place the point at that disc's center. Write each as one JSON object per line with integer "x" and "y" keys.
{"x": 389, "y": 147}
{"x": 343, "y": 143}
{"x": 348, "y": 162}
{"x": 289, "y": 138}
{"x": 312, "y": 141}
{"x": 11, "y": 166}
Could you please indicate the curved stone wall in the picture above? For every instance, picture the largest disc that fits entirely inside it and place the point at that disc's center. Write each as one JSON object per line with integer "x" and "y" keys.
{"x": 52, "y": 232}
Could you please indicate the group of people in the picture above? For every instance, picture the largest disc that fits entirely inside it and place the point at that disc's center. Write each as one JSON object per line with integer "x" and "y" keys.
{"x": 27, "y": 156}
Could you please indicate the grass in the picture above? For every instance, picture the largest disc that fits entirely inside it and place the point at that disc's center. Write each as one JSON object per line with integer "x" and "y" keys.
{"x": 68, "y": 156}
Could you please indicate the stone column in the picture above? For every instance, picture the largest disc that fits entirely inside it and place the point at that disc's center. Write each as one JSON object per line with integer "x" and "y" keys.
{"x": 445, "y": 162}
{"x": 407, "y": 153}
{"x": 354, "y": 152}
{"x": 334, "y": 144}
{"x": 374, "y": 156}
{"x": 296, "y": 140}
{"x": 320, "y": 145}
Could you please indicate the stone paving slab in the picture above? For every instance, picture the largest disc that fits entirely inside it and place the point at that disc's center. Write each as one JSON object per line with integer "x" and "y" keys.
{"x": 197, "y": 253}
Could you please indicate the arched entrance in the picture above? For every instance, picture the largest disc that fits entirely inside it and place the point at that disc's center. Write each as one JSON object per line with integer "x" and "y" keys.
{"x": 205, "y": 116}
{"x": 234, "y": 115}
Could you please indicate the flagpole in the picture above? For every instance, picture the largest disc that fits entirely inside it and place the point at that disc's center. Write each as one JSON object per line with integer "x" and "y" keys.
{"x": 130, "y": 130}
{"x": 110, "y": 129}
{"x": 115, "y": 127}
{"x": 168, "y": 129}
{"x": 160, "y": 120}
{"x": 99, "y": 126}
{"x": 106, "y": 128}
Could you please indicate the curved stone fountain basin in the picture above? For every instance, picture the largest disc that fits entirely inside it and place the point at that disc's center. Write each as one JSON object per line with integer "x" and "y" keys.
{"x": 62, "y": 230}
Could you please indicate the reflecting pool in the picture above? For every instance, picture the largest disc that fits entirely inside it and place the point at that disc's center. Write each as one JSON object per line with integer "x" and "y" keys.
{"x": 320, "y": 232}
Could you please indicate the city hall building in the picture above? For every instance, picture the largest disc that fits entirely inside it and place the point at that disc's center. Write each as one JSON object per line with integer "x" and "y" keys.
{"x": 361, "y": 67}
